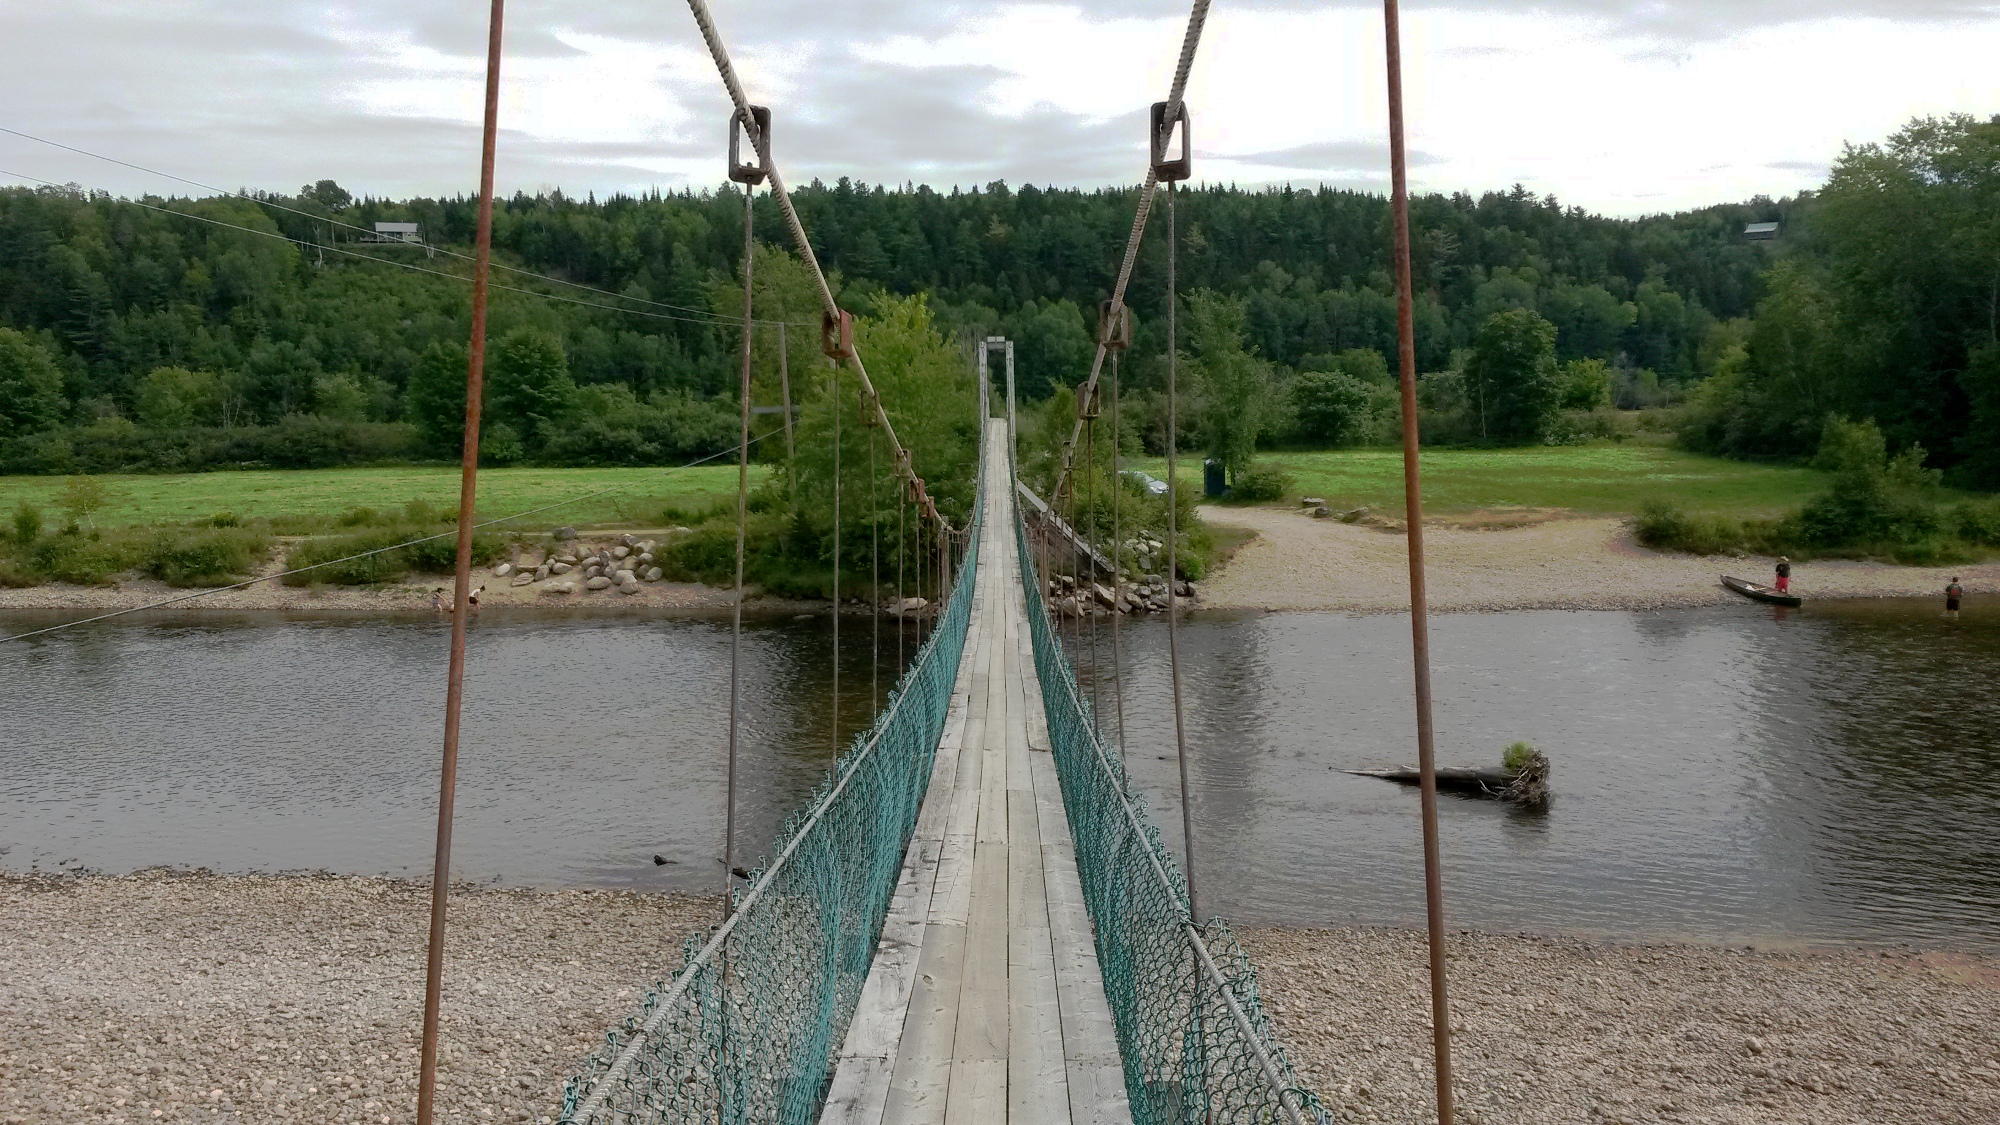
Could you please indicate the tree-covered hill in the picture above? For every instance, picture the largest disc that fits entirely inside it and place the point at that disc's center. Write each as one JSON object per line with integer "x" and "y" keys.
{"x": 252, "y": 329}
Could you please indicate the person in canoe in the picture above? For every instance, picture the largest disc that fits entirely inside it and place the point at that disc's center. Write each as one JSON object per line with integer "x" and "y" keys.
{"x": 1952, "y": 594}
{"x": 1784, "y": 585}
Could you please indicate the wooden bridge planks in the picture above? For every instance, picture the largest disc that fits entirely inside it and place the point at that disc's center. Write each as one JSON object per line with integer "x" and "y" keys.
{"x": 984, "y": 1003}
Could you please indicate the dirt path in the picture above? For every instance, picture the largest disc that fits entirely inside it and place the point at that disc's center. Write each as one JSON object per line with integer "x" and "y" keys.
{"x": 1297, "y": 562}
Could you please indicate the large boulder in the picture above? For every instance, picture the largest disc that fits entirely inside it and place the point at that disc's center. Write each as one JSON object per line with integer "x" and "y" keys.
{"x": 653, "y": 574}
{"x": 559, "y": 588}
{"x": 524, "y": 578}
{"x": 597, "y": 583}
{"x": 565, "y": 534}
{"x": 503, "y": 570}
{"x": 563, "y": 566}
{"x": 621, "y": 550}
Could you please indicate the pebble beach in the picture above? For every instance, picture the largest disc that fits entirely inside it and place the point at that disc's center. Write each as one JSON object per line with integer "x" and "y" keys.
{"x": 165, "y": 996}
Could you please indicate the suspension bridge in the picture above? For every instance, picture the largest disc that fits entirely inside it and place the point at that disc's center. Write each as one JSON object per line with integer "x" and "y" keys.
{"x": 973, "y": 918}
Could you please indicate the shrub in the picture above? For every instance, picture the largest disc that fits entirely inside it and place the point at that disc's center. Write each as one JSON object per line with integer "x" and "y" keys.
{"x": 1261, "y": 485}
{"x": 205, "y": 558}
{"x": 85, "y": 560}
{"x": 1978, "y": 522}
{"x": 27, "y": 523}
{"x": 1665, "y": 527}
{"x": 1517, "y": 756}
{"x": 433, "y": 556}
{"x": 225, "y": 519}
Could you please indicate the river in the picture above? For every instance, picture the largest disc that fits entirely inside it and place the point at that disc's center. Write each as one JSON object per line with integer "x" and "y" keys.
{"x": 1728, "y": 774}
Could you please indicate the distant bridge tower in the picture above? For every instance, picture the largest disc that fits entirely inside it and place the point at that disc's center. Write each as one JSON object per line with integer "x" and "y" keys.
{"x": 993, "y": 344}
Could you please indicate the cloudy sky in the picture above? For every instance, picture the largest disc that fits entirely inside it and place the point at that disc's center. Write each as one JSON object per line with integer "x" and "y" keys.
{"x": 1624, "y": 106}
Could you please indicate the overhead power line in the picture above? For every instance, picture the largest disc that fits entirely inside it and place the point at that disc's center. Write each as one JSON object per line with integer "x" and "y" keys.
{"x": 330, "y": 220}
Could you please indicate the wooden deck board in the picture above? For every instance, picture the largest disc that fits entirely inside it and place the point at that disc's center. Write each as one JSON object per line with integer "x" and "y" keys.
{"x": 984, "y": 1002}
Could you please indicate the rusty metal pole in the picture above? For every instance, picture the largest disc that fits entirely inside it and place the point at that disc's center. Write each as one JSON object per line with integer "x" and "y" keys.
{"x": 1420, "y": 636}
{"x": 475, "y": 374}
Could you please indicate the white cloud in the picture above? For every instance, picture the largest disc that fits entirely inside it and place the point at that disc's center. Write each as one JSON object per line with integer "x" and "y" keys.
{"x": 1620, "y": 105}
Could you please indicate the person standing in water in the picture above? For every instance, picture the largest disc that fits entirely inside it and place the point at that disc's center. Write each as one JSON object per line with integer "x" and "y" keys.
{"x": 1952, "y": 594}
{"x": 1784, "y": 575}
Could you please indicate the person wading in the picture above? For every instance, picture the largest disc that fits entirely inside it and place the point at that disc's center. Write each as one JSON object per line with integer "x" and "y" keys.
{"x": 1784, "y": 575}
{"x": 1952, "y": 594}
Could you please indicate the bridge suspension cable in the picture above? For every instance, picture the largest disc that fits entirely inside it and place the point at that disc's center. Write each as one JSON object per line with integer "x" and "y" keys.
{"x": 1172, "y": 111}
{"x": 836, "y": 326}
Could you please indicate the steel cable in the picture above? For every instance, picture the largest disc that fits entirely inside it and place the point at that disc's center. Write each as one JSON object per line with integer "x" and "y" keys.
{"x": 1190, "y": 42}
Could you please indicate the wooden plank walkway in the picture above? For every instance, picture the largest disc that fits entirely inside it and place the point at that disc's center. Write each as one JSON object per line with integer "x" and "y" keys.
{"x": 984, "y": 1003}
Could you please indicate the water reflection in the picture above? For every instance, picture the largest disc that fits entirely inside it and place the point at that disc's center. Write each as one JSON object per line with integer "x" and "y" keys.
{"x": 280, "y": 742}
{"x": 1727, "y": 773}
{"x": 1735, "y": 772}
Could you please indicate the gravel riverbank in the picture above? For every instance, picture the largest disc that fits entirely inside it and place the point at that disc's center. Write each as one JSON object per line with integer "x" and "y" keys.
{"x": 1550, "y": 1029}
{"x": 165, "y": 997}
{"x": 238, "y": 999}
{"x": 1300, "y": 563}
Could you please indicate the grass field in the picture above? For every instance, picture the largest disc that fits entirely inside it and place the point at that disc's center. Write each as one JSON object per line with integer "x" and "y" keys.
{"x": 281, "y": 494}
{"x": 1597, "y": 480}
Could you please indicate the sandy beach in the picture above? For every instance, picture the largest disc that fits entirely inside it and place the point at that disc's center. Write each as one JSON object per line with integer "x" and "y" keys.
{"x": 1300, "y": 563}
{"x": 237, "y": 999}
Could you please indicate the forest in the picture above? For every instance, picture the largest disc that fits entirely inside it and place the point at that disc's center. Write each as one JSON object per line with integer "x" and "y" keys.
{"x": 267, "y": 329}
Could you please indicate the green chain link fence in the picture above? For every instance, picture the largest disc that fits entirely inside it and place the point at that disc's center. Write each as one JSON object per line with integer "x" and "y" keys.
{"x": 748, "y": 1028}
{"x": 1196, "y": 1043}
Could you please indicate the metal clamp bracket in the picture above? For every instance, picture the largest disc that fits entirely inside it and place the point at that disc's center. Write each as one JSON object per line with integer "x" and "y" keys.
{"x": 1171, "y": 171}
{"x": 836, "y": 336}
{"x": 1089, "y": 402}
{"x": 1114, "y": 331}
{"x": 870, "y": 408}
{"x": 739, "y": 172}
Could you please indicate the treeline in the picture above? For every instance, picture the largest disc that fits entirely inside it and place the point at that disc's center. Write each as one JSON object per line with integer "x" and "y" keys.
{"x": 1884, "y": 307}
{"x": 136, "y": 335}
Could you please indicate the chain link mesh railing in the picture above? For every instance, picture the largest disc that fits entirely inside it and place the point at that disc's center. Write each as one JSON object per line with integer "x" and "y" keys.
{"x": 747, "y": 1030}
{"x": 1196, "y": 1043}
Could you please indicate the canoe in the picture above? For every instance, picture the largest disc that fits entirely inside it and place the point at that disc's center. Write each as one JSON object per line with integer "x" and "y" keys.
{"x": 1758, "y": 593}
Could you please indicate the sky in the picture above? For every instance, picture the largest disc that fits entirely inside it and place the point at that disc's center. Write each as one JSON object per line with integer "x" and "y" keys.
{"x": 1625, "y": 107}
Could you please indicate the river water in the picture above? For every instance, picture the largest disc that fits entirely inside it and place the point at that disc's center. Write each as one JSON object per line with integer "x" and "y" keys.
{"x": 1723, "y": 774}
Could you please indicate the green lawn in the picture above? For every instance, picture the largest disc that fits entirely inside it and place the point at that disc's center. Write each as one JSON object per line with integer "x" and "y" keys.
{"x": 277, "y": 494}
{"x": 1598, "y": 480}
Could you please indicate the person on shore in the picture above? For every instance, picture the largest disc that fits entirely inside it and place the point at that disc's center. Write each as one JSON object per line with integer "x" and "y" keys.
{"x": 1952, "y": 594}
{"x": 1784, "y": 575}
{"x": 472, "y": 599}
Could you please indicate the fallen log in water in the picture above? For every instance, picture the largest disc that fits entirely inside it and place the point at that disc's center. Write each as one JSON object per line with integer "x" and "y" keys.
{"x": 1454, "y": 778}
{"x": 1527, "y": 786}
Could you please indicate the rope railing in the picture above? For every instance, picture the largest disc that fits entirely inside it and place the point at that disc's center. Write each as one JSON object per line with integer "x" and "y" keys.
{"x": 1196, "y": 1042}
{"x": 749, "y": 1026}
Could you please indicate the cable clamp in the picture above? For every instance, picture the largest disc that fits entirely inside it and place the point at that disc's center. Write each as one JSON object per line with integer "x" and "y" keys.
{"x": 1171, "y": 171}
{"x": 1089, "y": 401}
{"x": 1114, "y": 326}
{"x": 871, "y": 408}
{"x": 748, "y": 174}
{"x": 836, "y": 335}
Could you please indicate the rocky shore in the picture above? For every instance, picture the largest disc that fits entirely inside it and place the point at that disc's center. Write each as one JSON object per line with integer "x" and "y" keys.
{"x": 176, "y": 997}
{"x": 241, "y": 999}
{"x": 1554, "y": 1029}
